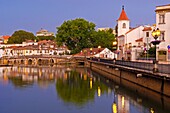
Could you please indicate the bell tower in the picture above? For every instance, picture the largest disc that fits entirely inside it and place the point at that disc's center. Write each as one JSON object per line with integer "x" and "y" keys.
{"x": 123, "y": 23}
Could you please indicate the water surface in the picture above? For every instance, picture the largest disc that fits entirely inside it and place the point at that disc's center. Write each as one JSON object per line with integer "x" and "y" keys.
{"x": 61, "y": 89}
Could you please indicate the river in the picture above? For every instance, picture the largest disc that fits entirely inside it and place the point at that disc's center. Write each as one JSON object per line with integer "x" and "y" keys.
{"x": 66, "y": 89}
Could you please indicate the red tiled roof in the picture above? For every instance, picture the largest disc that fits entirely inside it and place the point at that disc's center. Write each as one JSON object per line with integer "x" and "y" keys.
{"x": 12, "y": 47}
{"x": 6, "y": 37}
{"x": 89, "y": 52}
{"x": 120, "y": 36}
{"x": 130, "y": 30}
{"x": 123, "y": 15}
{"x": 147, "y": 29}
{"x": 45, "y": 41}
{"x": 139, "y": 40}
{"x": 29, "y": 41}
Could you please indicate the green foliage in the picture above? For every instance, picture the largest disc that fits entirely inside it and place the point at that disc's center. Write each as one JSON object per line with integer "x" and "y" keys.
{"x": 75, "y": 89}
{"x": 79, "y": 33}
{"x": 19, "y": 83}
{"x": 75, "y": 34}
{"x": 152, "y": 51}
{"x": 104, "y": 39}
{"x": 20, "y": 36}
{"x": 116, "y": 29}
{"x": 45, "y": 38}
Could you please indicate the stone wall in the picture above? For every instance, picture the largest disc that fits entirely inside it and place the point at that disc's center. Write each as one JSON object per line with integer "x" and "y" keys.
{"x": 149, "y": 81}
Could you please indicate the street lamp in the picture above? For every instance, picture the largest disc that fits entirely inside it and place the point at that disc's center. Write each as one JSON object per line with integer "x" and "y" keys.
{"x": 99, "y": 52}
{"x": 114, "y": 49}
{"x": 91, "y": 52}
{"x": 155, "y": 33}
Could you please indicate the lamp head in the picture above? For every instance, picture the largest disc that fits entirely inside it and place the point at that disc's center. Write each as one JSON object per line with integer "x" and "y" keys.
{"x": 115, "y": 43}
{"x": 153, "y": 33}
{"x": 156, "y": 33}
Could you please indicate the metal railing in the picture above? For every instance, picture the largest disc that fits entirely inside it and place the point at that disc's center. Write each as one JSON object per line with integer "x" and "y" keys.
{"x": 163, "y": 68}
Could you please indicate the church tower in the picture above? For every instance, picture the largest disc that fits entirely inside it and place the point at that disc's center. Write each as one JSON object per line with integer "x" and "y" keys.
{"x": 123, "y": 23}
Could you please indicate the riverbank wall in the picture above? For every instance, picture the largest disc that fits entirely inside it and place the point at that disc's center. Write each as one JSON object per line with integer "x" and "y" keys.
{"x": 156, "y": 82}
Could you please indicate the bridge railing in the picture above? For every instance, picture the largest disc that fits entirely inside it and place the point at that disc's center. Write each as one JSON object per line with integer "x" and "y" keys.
{"x": 163, "y": 68}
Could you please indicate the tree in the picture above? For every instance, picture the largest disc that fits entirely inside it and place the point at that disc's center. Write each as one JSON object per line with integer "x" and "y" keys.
{"x": 104, "y": 39}
{"x": 76, "y": 90}
{"x": 20, "y": 36}
{"x": 152, "y": 51}
{"x": 75, "y": 34}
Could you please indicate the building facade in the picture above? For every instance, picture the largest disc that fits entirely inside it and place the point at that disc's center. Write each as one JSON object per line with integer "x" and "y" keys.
{"x": 43, "y": 32}
{"x": 163, "y": 23}
{"x": 123, "y": 23}
{"x": 44, "y": 47}
{"x": 132, "y": 42}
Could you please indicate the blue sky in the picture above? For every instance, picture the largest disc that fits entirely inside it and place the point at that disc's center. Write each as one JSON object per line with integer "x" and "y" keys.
{"x": 32, "y": 15}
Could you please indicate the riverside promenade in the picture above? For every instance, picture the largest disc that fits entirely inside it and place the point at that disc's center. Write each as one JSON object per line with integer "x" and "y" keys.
{"x": 140, "y": 73}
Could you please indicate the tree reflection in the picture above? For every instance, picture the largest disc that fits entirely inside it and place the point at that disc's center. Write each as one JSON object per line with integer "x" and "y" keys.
{"x": 77, "y": 89}
{"x": 19, "y": 83}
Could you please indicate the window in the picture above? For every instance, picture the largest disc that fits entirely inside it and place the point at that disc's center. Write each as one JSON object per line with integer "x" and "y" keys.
{"x": 124, "y": 25}
{"x": 130, "y": 45}
{"x": 147, "y": 34}
{"x": 139, "y": 44}
{"x": 162, "y": 37}
{"x": 162, "y": 19}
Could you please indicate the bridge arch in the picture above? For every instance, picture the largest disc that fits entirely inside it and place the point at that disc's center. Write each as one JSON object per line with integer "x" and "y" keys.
{"x": 52, "y": 61}
{"x": 39, "y": 62}
{"x": 15, "y": 61}
{"x": 30, "y": 61}
{"x": 22, "y": 61}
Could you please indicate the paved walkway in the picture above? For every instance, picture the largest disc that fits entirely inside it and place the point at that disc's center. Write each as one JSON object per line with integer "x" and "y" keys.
{"x": 151, "y": 61}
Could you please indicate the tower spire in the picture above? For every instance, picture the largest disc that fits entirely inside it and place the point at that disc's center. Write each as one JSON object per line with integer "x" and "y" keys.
{"x": 123, "y": 15}
{"x": 123, "y": 7}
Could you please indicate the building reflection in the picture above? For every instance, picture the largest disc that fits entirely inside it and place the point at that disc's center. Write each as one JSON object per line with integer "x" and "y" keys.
{"x": 75, "y": 85}
{"x": 152, "y": 110}
{"x": 114, "y": 105}
{"x": 123, "y": 104}
{"x": 32, "y": 74}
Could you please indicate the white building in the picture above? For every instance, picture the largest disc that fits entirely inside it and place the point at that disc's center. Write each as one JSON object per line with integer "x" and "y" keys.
{"x": 44, "y": 32}
{"x": 27, "y": 48}
{"x": 132, "y": 42}
{"x": 106, "y": 53}
{"x": 97, "y": 52}
{"x": 163, "y": 23}
{"x": 123, "y": 23}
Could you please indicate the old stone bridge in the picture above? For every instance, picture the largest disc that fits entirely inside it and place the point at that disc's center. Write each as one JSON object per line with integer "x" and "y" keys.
{"x": 41, "y": 60}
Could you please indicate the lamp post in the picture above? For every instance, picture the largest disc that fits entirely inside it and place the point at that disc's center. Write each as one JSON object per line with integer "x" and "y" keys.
{"x": 91, "y": 52}
{"x": 99, "y": 52}
{"x": 155, "y": 33}
{"x": 114, "y": 49}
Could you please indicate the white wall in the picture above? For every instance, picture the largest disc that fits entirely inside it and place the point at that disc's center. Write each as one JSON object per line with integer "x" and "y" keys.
{"x": 121, "y": 30}
{"x": 164, "y": 27}
{"x": 132, "y": 36}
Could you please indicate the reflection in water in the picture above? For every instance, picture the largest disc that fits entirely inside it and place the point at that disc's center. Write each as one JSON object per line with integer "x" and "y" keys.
{"x": 152, "y": 111}
{"x": 78, "y": 88}
{"x": 81, "y": 86}
{"x": 114, "y": 107}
